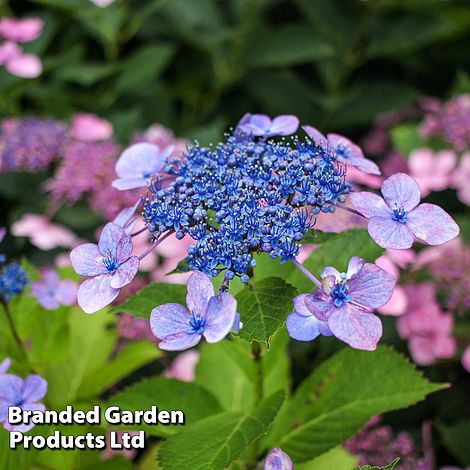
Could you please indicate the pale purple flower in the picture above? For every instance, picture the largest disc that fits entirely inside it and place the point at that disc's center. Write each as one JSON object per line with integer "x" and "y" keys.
{"x": 138, "y": 164}
{"x": 91, "y": 128}
{"x": 346, "y": 151}
{"x": 110, "y": 265}
{"x": 277, "y": 459}
{"x": 183, "y": 366}
{"x": 260, "y": 125}
{"x": 342, "y": 306}
{"x": 21, "y": 30}
{"x": 24, "y": 65}
{"x": 397, "y": 218}
{"x": 5, "y": 365}
{"x": 465, "y": 359}
{"x": 27, "y": 393}
{"x": 207, "y": 314}
{"x": 51, "y": 292}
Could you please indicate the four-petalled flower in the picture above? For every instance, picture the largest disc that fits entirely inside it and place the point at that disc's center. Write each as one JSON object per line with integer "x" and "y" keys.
{"x": 397, "y": 218}
{"x": 51, "y": 292}
{"x": 110, "y": 265}
{"x": 207, "y": 314}
{"x": 342, "y": 306}
{"x": 260, "y": 125}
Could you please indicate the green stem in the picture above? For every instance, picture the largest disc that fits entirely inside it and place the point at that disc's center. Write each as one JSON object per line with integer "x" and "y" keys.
{"x": 14, "y": 331}
{"x": 256, "y": 352}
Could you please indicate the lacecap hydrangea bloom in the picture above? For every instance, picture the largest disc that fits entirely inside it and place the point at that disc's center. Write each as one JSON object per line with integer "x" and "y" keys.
{"x": 52, "y": 292}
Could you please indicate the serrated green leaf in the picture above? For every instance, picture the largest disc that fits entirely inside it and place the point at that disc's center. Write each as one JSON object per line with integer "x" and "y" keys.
{"x": 263, "y": 307}
{"x": 142, "y": 303}
{"x": 216, "y": 441}
{"x": 182, "y": 267}
{"x": 390, "y": 466}
{"x": 167, "y": 394}
{"x": 341, "y": 395}
{"x": 131, "y": 358}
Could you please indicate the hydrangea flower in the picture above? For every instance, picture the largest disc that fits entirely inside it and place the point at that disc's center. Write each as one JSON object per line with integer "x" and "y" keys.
{"x": 110, "y": 265}
{"x": 5, "y": 365}
{"x": 461, "y": 177}
{"x": 27, "y": 393}
{"x": 91, "y": 128}
{"x": 347, "y": 151}
{"x": 183, "y": 366}
{"x": 260, "y": 125}
{"x": 52, "y": 292}
{"x": 13, "y": 280}
{"x": 138, "y": 164}
{"x": 277, "y": 459}
{"x": 397, "y": 218}
{"x": 207, "y": 314}
{"x": 342, "y": 306}
{"x": 21, "y": 30}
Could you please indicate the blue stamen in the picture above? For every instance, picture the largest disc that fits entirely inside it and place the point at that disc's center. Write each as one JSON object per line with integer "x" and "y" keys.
{"x": 197, "y": 323}
{"x": 340, "y": 294}
{"x": 110, "y": 264}
{"x": 399, "y": 214}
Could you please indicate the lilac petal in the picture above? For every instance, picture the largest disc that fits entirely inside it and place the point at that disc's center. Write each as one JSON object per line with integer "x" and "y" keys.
{"x": 432, "y": 225}
{"x": 10, "y": 387}
{"x": 139, "y": 160}
{"x": 338, "y": 140}
{"x": 4, "y": 404}
{"x": 300, "y": 307}
{"x": 124, "y": 217}
{"x": 87, "y": 260}
{"x": 34, "y": 388}
{"x": 315, "y": 135}
{"x": 359, "y": 329}
{"x": 67, "y": 293}
{"x": 124, "y": 184}
{"x": 258, "y": 125}
{"x": 200, "y": 290}
{"x": 320, "y": 305}
{"x": 220, "y": 316}
{"x": 125, "y": 273}
{"x": 278, "y": 460}
{"x": 25, "y": 427}
{"x": 179, "y": 341}
{"x": 389, "y": 233}
{"x": 25, "y": 66}
{"x": 370, "y": 205}
{"x": 305, "y": 327}
{"x": 169, "y": 319}
{"x": 96, "y": 293}
{"x": 44, "y": 296}
{"x": 401, "y": 189}
{"x": 354, "y": 266}
{"x": 237, "y": 324}
{"x": 285, "y": 124}
{"x": 364, "y": 164}
{"x": 5, "y": 365}
{"x": 115, "y": 242}
{"x": 330, "y": 271}
{"x": 371, "y": 286}
{"x": 51, "y": 279}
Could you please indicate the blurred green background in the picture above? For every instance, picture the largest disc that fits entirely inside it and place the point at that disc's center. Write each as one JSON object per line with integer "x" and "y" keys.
{"x": 198, "y": 65}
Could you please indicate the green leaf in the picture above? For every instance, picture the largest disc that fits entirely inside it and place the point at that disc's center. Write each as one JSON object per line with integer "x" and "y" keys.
{"x": 18, "y": 459}
{"x": 131, "y": 358}
{"x": 390, "y": 466}
{"x": 343, "y": 394}
{"x": 337, "y": 459}
{"x": 405, "y": 138}
{"x": 289, "y": 45}
{"x": 455, "y": 438}
{"x": 317, "y": 237}
{"x": 167, "y": 394}
{"x": 182, "y": 267}
{"x": 142, "y": 303}
{"x": 216, "y": 441}
{"x": 263, "y": 307}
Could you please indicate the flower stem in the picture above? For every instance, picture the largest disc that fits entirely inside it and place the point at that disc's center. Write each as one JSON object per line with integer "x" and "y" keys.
{"x": 256, "y": 353}
{"x": 352, "y": 211}
{"x": 139, "y": 232}
{"x": 157, "y": 242}
{"x": 14, "y": 331}
{"x": 307, "y": 273}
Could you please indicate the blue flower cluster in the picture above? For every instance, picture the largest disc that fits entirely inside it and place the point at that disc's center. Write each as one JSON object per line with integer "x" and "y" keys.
{"x": 13, "y": 279}
{"x": 245, "y": 196}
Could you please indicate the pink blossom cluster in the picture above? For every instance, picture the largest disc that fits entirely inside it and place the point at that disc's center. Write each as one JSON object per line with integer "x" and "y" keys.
{"x": 15, "y": 31}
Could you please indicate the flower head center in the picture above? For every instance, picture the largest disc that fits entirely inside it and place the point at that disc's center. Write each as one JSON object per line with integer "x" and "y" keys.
{"x": 197, "y": 323}
{"x": 339, "y": 293}
{"x": 110, "y": 263}
{"x": 399, "y": 213}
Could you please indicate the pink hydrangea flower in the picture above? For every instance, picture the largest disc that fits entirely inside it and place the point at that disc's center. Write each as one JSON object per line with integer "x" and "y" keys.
{"x": 52, "y": 292}
{"x": 427, "y": 330}
{"x": 346, "y": 150}
{"x": 183, "y": 366}
{"x": 466, "y": 359}
{"x": 277, "y": 459}
{"x": 208, "y": 315}
{"x": 109, "y": 453}
{"x": 21, "y": 30}
{"x": 260, "y": 125}
{"x": 461, "y": 179}
{"x": 397, "y": 218}
{"x": 91, "y": 128}
{"x": 42, "y": 233}
{"x": 398, "y": 301}
{"x": 432, "y": 171}
{"x": 109, "y": 264}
